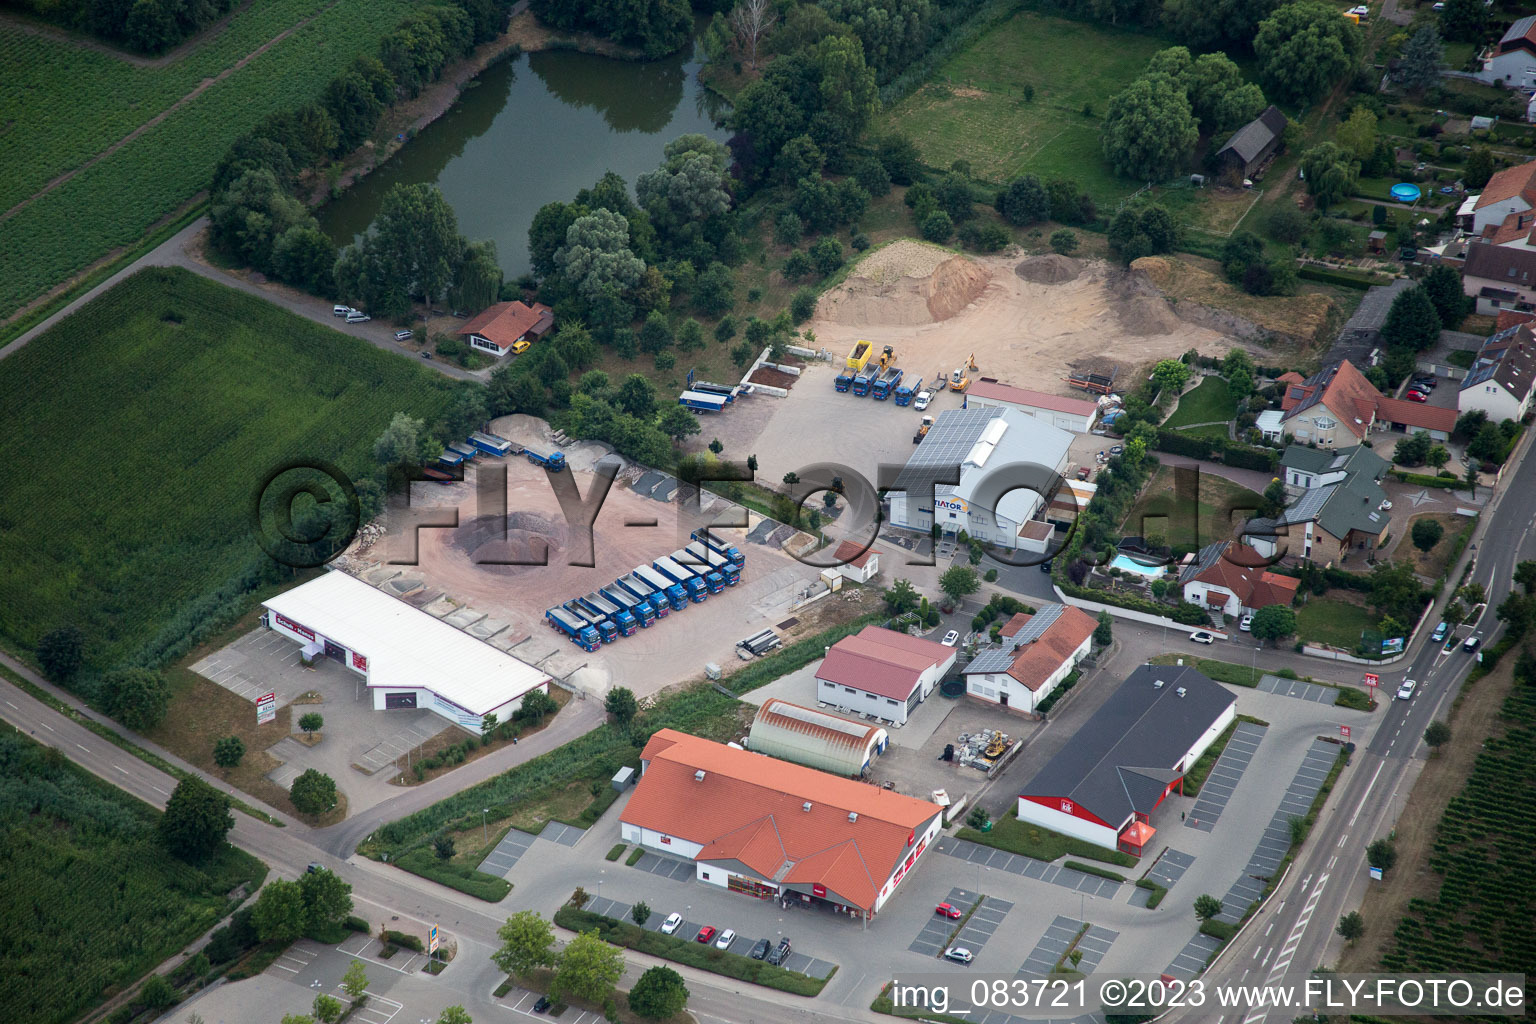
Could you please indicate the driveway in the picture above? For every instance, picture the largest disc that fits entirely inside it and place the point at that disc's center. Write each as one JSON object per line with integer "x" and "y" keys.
{"x": 174, "y": 253}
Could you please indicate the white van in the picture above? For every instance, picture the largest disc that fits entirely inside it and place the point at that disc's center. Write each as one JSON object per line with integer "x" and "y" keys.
{"x": 340, "y": 310}
{"x": 355, "y": 317}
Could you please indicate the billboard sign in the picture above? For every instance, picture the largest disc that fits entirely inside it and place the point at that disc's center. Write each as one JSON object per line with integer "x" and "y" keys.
{"x": 1392, "y": 646}
{"x": 266, "y": 708}
{"x": 1372, "y": 679}
{"x": 1344, "y": 731}
{"x": 432, "y": 940}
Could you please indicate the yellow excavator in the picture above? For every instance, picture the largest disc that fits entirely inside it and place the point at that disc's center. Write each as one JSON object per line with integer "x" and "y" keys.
{"x": 958, "y": 381}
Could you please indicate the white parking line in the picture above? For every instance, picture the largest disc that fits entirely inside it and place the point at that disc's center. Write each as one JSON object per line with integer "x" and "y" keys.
{"x": 82, "y": 747}
{"x": 45, "y": 725}
{"x": 14, "y": 706}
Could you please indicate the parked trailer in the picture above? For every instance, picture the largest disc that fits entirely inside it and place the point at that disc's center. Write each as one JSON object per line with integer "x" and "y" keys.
{"x": 464, "y": 451}
{"x": 656, "y": 600}
{"x": 612, "y": 611}
{"x": 437, "y": 476}
{"x": 866, "y": 378}
{"x": 728, "y": 550}
{"x": 907, "y": 390}
{"x": 660, "y": 583}
{"x": 706, "y": 555}
{"x": 490, "y": 444}
{"x": 713, "y": 580}
{"x": 858, "y": 356}
{"x": 886, "y": 384}
{"x": 604, "y": 626}
{"x": 691, "y": 581}
{"x": 725, "y": 391}
{"x": 554, "y": 462}
{"x": 700, "y": 401}
{"x": 577, "y": 628}
{"x": 450, "y": 459}
{"x": 640, "y": 608}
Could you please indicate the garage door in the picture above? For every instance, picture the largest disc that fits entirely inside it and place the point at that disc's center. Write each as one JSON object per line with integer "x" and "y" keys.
{"x": 399, "y": 701}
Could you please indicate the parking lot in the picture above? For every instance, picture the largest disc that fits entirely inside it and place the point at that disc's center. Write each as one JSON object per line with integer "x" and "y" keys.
{"x": 935, "y": 937}
{"x": 1225, "y": 775}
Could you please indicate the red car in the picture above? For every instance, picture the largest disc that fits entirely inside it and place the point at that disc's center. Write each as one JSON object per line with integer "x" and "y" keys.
{"x": 706, "y": 934}
{"x": 1416, "y": 396}
{"x": 948, "y": 911}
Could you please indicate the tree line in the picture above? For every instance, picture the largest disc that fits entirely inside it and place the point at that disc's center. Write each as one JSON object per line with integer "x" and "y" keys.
{"x": 258, "y": 219}
{"x": 148, "y": 26}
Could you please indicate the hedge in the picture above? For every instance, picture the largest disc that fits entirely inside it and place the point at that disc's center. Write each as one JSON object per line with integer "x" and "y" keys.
{"x": 1349, "y": 697}
{"x": 1195, "y": 446}
{"x": 1158, "y": 892}
{"x": 617, "y": 851}
{"x": 635, "y": 855}
{"x": 1066, "y": 684}
{"x": 1342, "y": 278}
{"x": 1089, "y": 869}
{"x": 422, "y": 861}
{"x": 1218, "y": 929}
{"x": 357, "y": 924}
{"x": 1450, "y": 483}
{"x": 402, "y": 939}
{"x": 690, "y": 953}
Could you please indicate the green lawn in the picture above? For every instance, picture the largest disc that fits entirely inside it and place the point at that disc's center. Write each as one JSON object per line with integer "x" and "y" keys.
{"x": 1028, "y": 840}
{"x": 90, "y": 895}
{"x": 139, "y": 431}
{"x": 1221, "y": 507}
{"x": 1212, "y": 401}
{"x": 975, "y": 107}
{"x": 1328, "y": 620}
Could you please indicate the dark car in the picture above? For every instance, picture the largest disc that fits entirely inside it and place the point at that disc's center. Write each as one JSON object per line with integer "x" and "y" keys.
{"x": 541, "y": 1005}
{"x": 759, "y": 950}
{"x": 1045, "y": 566}
{"x": 780, "y": 953}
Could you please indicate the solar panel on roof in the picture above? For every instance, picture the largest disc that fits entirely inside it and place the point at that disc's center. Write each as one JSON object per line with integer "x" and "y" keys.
{"x": 1035, "y": 628}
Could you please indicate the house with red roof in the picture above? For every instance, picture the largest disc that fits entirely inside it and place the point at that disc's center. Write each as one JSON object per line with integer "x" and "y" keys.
{"x": 1338, "y": 407}
{"x": 881, "y": 674}
{"x": 856, "y": 562}
{"x": 1035, "y": 654}
{"x": 1511, "y": 62}
{"x": 1233, "y": 579}
{"x": 498, "y": 329}
{"x": 1072, "y": 414}
{"x": 753, "y": 824}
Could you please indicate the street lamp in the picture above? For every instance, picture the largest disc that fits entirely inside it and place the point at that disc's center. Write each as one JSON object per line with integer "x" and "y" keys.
{"x": 485, "y": 836}
{"x": 1255, "y": 676}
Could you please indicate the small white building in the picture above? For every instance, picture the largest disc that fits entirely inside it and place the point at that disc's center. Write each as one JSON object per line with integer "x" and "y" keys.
{"x": 1008, "y": 465}
{"x": 856, "y": 563}
{"x": 881, "y": 674}
{"x": 1072, "y": 414}
{"x": 1512, "y": 60}
{"x": 1499, "y": 382}
{"x": 407, "y": 658}
{"x": 1038, "y": 651}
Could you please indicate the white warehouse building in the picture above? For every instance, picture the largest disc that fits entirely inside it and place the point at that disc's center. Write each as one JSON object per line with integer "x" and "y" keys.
{"x": 407, "y": 658}
{"x": 1007, "y": 463}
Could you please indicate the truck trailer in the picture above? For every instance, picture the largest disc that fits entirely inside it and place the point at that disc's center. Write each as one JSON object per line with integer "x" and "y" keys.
{"x": 858, "y": 356}
{"x": 703, "y": 554}
{"x": 490, "y": 444}
{"x": 703, "y": 536}
{"x": 614, "y": 612}
{"x": 656, "y": 600}
{"x": 662, "y": 584}
{"x": 701, "y": 401}
{"x": 581, "y": 633}
{"x": 605, "y": 627}
{"x": 640, "y": 608}
{"x": 725, "y": 391}
{"x": 907, "y": 390}
{"x": 886, "y": 384}
{"x": 713, "y": 581}
{"x": 464, "y": 451}
{"x": 553, "y": 462}
{"x": 692, "y": 582}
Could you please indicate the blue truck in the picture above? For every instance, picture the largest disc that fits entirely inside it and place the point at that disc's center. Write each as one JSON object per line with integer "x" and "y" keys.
{"x": 664, "y": 585}
{"x": 577, "y": 628}
{"x": 690, "y": 580}
{"x": 714, "y": 581}
{"x": 701, "y": 401}
{"x": 450, "y": 459}
{"x": 490, "y": 444}
{"x": 553, "y": 462}
{"x": 604, "y": 626}
{"x": 844, "y": 380}
{"x": 614, "y": 612}
{"x": 464, "y": 451}
{"x": 656, "y": 600}
{"x": 639, "y": 607}
{"x": 703, "y": 536}
{"x": 725, "y": 391}
{"x": 886, "y": 383}
{"x": 907, "y": 390}
{"x": 865, "y": 380}
{"x": 700, "y": 553}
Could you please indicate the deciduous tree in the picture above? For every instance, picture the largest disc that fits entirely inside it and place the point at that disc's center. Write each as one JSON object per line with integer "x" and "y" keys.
{"x": 279, "y": 914}
{"x": 313, "y": 792}
{"x": 588, "y": 968}
{"x": 61, "y": 652}
{"x": 658, "y": 994}
{"x": 527, "y": 942}
{"x": 1024, "y": 201}
{"x": 1352, "y": 926}
{"x": 1426, "y": 534}
{"x": 137, "y": 697}
{"x": 1437, "y": 734}
{"x": 1273, "y": 622}
{"x": 621, "y": 704}
{"x": 1305, "y": 47}
{"x": 1149, "y": 130}
{"x": 1331, "y": 172}
{"x": 196, "y": 819}
{"x": 958, "y": 581}
{"x": 1207, "y": 906}
{"x": 227, "y": 751}
{"x": 596, "y": 255}
{"x": 355, "y": 982}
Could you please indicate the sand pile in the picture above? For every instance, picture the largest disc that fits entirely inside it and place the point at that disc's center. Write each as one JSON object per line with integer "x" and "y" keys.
{"x": 1145, "y": 315}
{"x": 1051, "y": 268}
{"x": 904, "y": 284}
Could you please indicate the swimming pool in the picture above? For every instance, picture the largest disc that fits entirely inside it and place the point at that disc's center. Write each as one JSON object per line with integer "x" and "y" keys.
{"x": 1125, "y": 564}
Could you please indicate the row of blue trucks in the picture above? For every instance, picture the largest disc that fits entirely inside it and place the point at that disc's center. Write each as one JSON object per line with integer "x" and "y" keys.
{"x": 456, "y": 453}
{"x": 637, "y": 599}
{"x": 874, "y": 382}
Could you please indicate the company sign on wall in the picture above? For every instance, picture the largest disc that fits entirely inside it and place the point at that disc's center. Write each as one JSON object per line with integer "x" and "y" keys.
{"x": 956, "y": 505}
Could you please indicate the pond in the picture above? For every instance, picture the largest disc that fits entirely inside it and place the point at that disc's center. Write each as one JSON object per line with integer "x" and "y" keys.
{"x": 535, "y": 130}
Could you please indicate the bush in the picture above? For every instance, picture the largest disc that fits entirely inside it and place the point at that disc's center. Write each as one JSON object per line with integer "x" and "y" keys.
{"x": 356, "y": 924}
{"x": 937, "y": 226}
{"x": 827, "y": 255}
{"x": 803, "y": 305}
{"x": 984, "y": 236}
{"x": 1064, "y": 242}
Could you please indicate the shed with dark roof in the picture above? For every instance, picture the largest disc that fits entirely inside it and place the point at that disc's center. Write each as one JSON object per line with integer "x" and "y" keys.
{"x": 1252, "y": 144}
{"x": 1134, "y": 751}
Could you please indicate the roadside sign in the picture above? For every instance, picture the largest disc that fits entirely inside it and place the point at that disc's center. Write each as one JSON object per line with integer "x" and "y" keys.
{"x": 1376, "y": 874}
{"x": 266, "y": 708}
{"x": 1344, "y": 731}
{"x": 1372, "y": 679}
{"x": 432, "y": 939}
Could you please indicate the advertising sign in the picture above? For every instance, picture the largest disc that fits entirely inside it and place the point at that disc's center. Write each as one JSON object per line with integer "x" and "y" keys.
{"x": 1372, "y": 679}
{"x": 266, "y": 708}
{"x": 1344, "y": 731}
{"x": 432, "y": 940}
{"x": 1393, "y": 646}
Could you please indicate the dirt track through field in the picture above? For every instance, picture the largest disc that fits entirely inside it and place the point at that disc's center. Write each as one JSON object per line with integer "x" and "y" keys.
{"x": 201, "y": 88}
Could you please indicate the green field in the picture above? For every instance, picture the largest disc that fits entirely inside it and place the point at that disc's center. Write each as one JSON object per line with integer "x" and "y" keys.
{"x": 1157, "y": 511}
{"x": 51, "y": 127}
{"x": 1329, "y": 621}
{"x": 91, "y": 901}
{"x": 975, "y": 108}
{"x": 1210, "y": 402}
{"x": 138, "y": 431}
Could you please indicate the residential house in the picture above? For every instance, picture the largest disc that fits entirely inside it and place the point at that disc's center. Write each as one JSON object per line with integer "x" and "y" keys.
{"x": 1218, "y": 580}
{"x": 1037, "y": 652}
{"x": 1318, "y": 467}
{"x": 1251, "y": 145}
{"x": 1335, "y": 506}
{"x": 1499, "y": 382}
{"x": 1511, "y": 61}
{"x": 856, "y": 562}
{"x": 1338, "y": 406}
{"x": 1500, "y": 277}
{"x": 499, "y": 328}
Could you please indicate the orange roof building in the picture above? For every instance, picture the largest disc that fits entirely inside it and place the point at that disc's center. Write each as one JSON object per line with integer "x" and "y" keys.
{"x": 855, "y": 561}
{"x": 754, "y": 824}
{"x": 1232, "y": 579}
{"x": 1038, "y": 651}
{"x": 497, "y": 328}
{"x": 1338, "y": 407}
